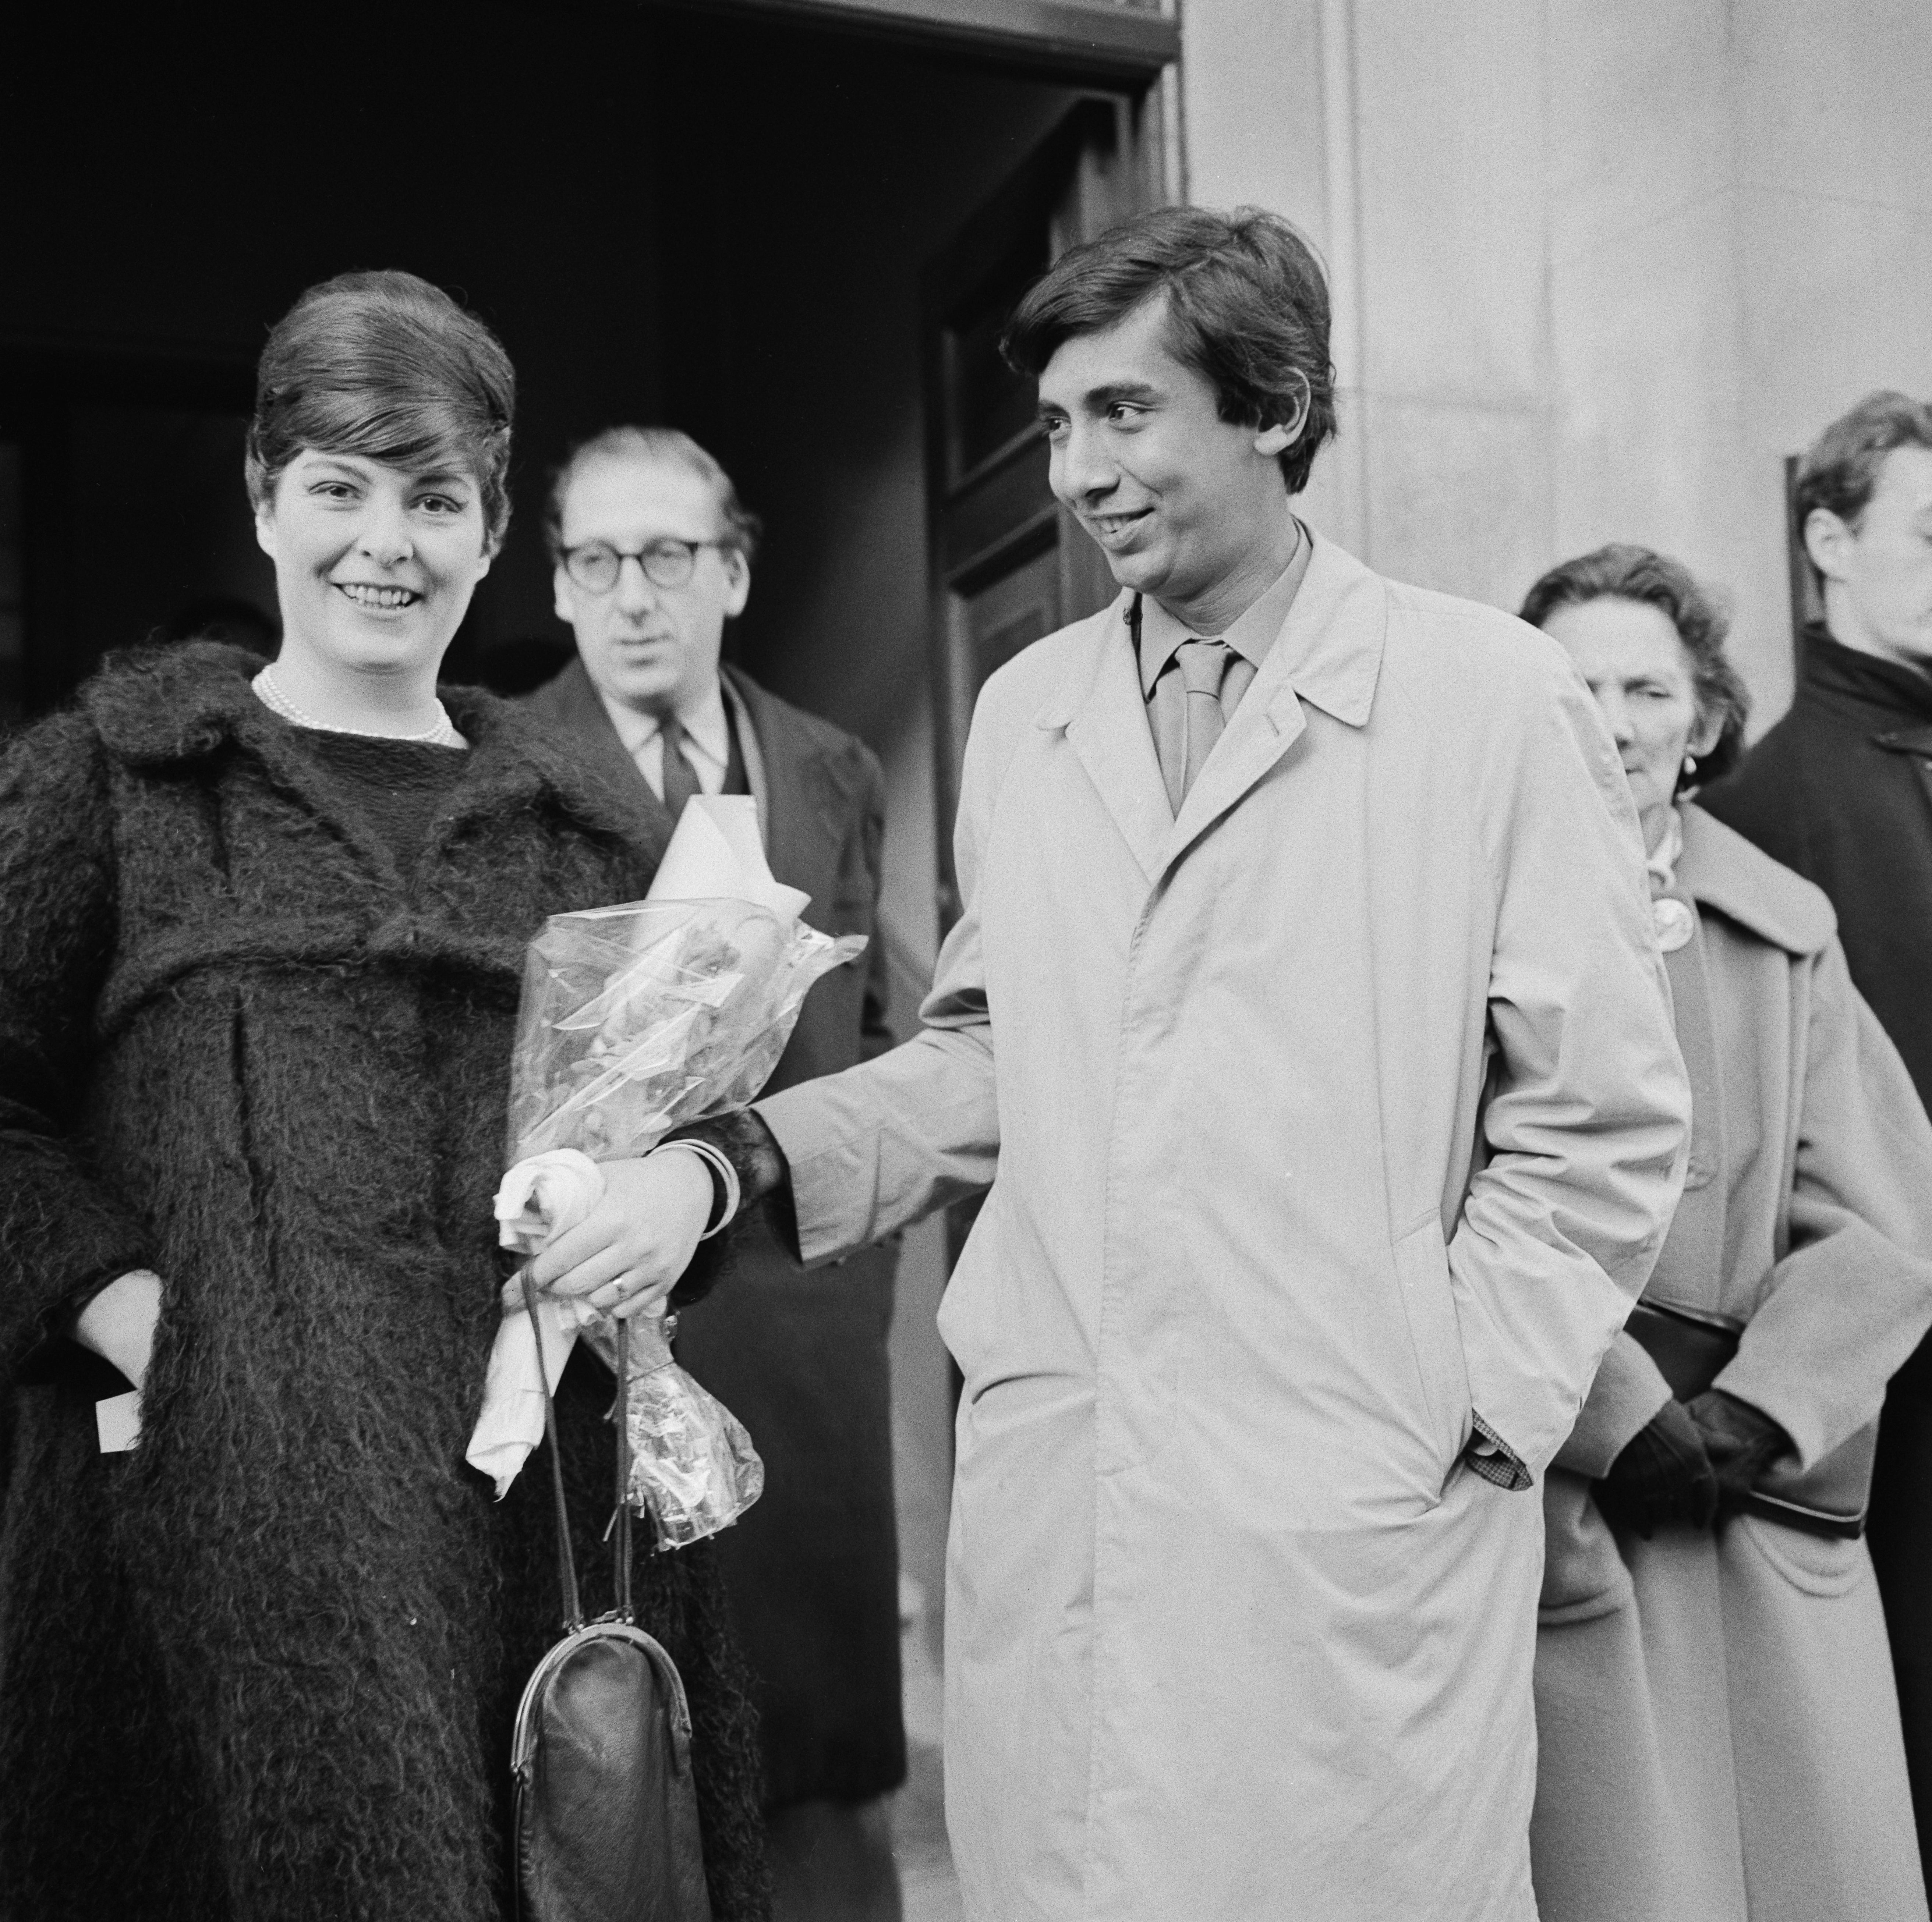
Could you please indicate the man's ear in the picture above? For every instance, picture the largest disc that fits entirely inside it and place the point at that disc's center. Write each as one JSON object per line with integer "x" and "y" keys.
{"x": 1827, "y": 540}
{"x": 1278, "y": 436}
{"x": 738, "y": 572}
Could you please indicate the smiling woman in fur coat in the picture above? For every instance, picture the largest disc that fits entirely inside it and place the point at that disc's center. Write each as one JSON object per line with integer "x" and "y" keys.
{"x": 259, "y": 967}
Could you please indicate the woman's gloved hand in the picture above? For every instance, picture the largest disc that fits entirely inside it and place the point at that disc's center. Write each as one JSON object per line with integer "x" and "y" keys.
{"x": 1741, "y": 1441}
{"x": 1663, "y": 1478}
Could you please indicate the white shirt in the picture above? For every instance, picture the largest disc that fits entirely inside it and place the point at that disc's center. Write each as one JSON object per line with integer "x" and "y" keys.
{"x": 707, "y": 740}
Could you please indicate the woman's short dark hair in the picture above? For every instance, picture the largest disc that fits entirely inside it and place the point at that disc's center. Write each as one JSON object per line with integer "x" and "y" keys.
{"x": 1247, "y": 309}
{"x": 386, "y": 366}
{"x": 1624, "y": 572}
{"x": 740, "y": 527}
{"x": 1841, "y": 466}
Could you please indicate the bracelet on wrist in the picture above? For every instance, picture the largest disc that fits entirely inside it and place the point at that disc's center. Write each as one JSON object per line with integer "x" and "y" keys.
{"x": 725, "y": 1194}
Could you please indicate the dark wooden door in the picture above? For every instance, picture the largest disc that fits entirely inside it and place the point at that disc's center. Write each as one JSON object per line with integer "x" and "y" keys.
{"x": 1008, "y": 564}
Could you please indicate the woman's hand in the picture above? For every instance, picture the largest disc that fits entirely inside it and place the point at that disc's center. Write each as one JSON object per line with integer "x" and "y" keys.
{"x": 1662, "y": 1480}
{"x": 1742, "y": 1442}
{"x": 627, "y": 1254}
{"x": 119, "y": 1323}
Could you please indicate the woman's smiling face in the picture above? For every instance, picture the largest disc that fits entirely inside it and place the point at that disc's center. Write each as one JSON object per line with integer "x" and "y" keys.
{"x": 374, "y": 564}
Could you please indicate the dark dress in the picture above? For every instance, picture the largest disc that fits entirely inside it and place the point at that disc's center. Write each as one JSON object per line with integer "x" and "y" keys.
{"x": 264, "y": 1667}
{"x": 813, "y": 1570}
{"x": 1840, "y": 789}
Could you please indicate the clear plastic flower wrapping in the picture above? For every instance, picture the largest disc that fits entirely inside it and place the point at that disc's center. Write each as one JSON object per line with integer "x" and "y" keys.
{"x": 635, "y": 1020}
{"x": 694, "y": 1470}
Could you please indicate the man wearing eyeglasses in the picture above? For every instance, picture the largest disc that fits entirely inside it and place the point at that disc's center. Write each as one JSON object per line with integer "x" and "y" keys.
{"x": 652, "y": 552}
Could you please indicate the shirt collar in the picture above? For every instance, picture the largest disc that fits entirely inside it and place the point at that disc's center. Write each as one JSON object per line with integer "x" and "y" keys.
{"x": 706, "y": 724}
{"x": 1251, "y": 635}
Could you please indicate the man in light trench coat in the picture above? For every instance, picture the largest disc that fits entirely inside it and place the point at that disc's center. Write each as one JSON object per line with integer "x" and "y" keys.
{"x": 1304, "y": 1019}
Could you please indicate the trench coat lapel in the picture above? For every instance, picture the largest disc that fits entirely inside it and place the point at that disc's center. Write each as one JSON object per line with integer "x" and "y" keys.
{"x": 1105, "y": 714}
{"x": 1329, "y": 653}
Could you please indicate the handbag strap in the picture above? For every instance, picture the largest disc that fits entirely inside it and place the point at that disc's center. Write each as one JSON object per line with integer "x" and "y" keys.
{"x": 566, "y": 1562}
{"x": 623, "y": 1548}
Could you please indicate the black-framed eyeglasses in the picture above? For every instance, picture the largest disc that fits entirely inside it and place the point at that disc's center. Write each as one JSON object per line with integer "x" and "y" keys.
{"x": 595, "y": 565}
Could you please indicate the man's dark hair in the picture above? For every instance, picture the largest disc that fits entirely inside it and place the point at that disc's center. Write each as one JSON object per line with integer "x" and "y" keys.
{"x": 1247, "y": 309}
{"x": 739, "y": 527}
{"x": 1840, "y": 468}
{"x": 1624, "y": 572}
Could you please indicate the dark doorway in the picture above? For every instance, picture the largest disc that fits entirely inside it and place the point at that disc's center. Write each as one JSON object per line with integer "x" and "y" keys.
{"x": 714, "y": 218}
{"x": 1007, "y": 565}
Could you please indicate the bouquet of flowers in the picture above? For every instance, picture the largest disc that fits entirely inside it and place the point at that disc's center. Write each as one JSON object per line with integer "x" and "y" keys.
{"x": 634, "y": 1021}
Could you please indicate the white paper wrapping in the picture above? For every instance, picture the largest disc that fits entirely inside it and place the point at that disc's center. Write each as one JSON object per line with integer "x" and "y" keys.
{"x": 541, "y": 1197}
{"x": 716, "y": 854}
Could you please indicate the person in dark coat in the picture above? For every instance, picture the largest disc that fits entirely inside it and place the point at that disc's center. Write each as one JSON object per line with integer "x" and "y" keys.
{"x": 652, "y": 550}
{"x": 1840, "y": 789}
{"x": 258, "y": 974}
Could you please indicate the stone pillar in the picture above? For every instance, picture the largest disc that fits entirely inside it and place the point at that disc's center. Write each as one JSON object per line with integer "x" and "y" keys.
{"x": 1599, "y": 264}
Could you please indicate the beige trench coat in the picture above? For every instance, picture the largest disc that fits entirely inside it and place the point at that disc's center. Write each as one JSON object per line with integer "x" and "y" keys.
{"x": 1720, "y": 1734}
{"x": 1230, "y": 1634}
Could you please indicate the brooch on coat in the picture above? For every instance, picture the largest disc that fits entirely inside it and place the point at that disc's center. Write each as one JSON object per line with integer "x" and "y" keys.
{"x": 1673, "y": 921}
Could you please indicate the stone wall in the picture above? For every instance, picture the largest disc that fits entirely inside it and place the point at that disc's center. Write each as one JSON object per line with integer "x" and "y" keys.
{"x": 1600, "y": 264}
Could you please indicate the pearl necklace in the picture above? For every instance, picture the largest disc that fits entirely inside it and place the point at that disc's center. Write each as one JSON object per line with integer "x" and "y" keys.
{"x": 269, "y": 692}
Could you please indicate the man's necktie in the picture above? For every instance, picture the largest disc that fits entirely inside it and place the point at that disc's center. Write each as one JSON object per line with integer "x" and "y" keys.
{"x": 680, "y": 778}
{"x": 1202, "y": 665}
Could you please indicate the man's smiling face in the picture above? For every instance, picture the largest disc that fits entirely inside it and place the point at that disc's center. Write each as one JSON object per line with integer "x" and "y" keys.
{"x": 1178, "y": 498}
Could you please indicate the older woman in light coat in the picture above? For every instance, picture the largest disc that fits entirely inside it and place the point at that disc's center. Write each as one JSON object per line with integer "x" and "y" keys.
{"x": 1718, "y": 1731}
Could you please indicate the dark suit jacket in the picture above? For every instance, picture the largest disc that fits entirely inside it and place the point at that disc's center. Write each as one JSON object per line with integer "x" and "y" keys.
{"x": 814, "y": 1568}
{"x": 1840, "y": 789}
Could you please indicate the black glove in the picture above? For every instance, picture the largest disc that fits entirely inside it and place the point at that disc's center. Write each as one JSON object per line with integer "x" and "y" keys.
{"x": 1663, "y": 1478}
{"x": 1741, "y": 1441}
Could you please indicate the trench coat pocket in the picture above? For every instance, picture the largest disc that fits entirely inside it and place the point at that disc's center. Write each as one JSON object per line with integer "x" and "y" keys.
{"x": 1822, "y": 1565}
{"x": 1428, "y": 1301}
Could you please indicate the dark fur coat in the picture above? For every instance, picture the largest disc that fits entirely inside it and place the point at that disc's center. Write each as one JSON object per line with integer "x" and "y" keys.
{"x": 264, "y": 1667}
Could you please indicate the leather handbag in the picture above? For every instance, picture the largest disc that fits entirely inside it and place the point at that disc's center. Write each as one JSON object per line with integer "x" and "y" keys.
{"x": 1691, "y": 1349}
{"x": 605, "y": 1825}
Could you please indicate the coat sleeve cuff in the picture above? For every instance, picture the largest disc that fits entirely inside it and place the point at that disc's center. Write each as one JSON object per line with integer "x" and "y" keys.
{"x": 1626, "y": 1395}
{"x": 1774, "y": 1395}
